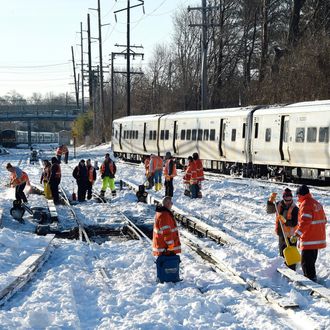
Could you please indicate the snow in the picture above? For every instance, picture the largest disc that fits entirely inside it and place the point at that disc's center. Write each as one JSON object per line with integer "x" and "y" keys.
{"x": 68, "y": 292}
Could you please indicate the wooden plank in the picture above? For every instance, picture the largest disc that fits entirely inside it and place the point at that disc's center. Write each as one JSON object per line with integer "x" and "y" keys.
{"x": 52, "y": 210}
{"x": 22, "y": 273}
{"x": 301, "y": 279}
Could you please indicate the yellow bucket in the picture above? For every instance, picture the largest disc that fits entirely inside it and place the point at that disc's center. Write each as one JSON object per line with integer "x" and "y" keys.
{"x": 291, "y": 255}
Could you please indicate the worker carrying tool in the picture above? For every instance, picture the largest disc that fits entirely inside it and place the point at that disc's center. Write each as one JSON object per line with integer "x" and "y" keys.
{"x": 311, "y": 230}
{"x": 286, "y": 220}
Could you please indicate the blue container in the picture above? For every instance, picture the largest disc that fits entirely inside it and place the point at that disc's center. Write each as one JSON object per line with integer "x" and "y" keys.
{"x": 168, "y": 268}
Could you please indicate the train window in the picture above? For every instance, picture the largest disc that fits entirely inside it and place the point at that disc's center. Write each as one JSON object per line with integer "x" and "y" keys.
{"x": 136, "y": 134}
{"x": 183, "y": 134}
{"x": 233, "y": 134}
{"x": 188, "y": 134}
{"x": 206, "y": 134}
{"x": 311, "y": 134}
{"x": 300, "y": 134}
{"x": 154, "y": 135}
{"x": 243, "y": 131}
{"x": 268, "y": 134}
{"x": 256, "y": 130}
{"x": 162, "y": 134}
{"x": 200, "y": 135}
{"x": 212, "y": 135}
{"x": 116, "y": 134}
{"x": 194, "y": 134}
{"x": 324, "y": 134}
{"x": 150, "y": 135}
{"x": 167, "y": 134}
{"x": 124, "y": 134}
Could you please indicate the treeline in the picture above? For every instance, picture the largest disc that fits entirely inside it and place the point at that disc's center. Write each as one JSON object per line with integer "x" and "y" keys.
{"x": 259, "y": 52}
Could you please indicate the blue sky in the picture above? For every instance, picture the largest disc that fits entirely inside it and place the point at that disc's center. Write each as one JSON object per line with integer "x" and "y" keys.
{"x": 37, "y": 36}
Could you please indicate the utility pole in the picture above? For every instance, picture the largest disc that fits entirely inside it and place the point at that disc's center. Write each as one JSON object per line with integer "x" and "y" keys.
{"x": 90, "y": 76}
{"x": 123, "y": 53}
{"x": 75, "y": 78}
{"x": 204, "y": 45}
{"x": 101, "y": 103}
{"x": 128, "y": 51}
{"x": 82, "y": 70}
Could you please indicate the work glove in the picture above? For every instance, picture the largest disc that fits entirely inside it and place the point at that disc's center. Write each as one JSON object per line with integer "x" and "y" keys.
{"x": 272, "y": 197}
{"x": 102, "y": 176}
{"x": 281, "y": 218}
{"x": 293, "y": 239}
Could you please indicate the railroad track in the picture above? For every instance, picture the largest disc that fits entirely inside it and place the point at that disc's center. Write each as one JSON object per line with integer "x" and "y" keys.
{"x": 270, "y": 292}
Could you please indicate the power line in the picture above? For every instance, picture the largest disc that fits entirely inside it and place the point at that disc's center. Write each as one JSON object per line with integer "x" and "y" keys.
{"x": 33, "y": 66}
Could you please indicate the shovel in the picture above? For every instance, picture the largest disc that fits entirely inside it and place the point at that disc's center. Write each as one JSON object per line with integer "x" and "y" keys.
{"x": 291, "y": 253}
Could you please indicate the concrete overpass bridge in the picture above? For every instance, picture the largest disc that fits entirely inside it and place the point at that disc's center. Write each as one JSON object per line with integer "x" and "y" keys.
{"x": 28, "y": 113}
{"x": 33, "y": 113}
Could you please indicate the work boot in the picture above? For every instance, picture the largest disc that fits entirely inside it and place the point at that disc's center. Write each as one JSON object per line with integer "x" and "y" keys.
{"x": 114, "y": 193}
{"x": 102, "y": 193}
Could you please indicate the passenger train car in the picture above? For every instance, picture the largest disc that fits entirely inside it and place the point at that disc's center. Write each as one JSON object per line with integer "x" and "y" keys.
{"x": 10, "y": 138}
{"x": 286, "y": 141}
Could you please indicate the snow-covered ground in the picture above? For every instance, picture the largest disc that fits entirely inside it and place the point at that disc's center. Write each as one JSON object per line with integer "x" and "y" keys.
{"x": 69, "y": 293}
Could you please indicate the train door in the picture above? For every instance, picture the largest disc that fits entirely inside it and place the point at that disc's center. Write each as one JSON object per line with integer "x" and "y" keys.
{"x": 175, "y": 127}
{"x": 144, "y": 136}
{"x": 120, "y": 135}
{"x": 222, "y": 136}
{"x": 284, "y": 140}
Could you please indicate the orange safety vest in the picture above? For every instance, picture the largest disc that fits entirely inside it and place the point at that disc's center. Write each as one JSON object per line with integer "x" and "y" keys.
{"x": 90, "y": 174}
{"x": 156, "y": 163}
{"x": 17, "y": 181}
{"x": 111, "y": 168}
{"x": 199, "y": 170}
{"x": 311, "y": 224}
{"x": 288, "y": 231}
{"x": 167, "y": 169}
{"x": 191, "y": 175}
{"x": 165, "y": 235}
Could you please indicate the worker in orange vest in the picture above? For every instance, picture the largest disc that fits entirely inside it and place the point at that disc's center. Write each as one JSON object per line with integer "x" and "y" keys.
{"x": 108, "y": 170}
{"x": 156, "y": 169}
{"x": 55, "y": 179}
{"x": 150, "y": 180}
{"x": 199, "y": 172}
{"x": 190, "y": 178}
{"x": 166, "y": 243}
{"x": 18, "y": 180}
{"x": 311, "y": 230}
{"x": 288, "y": 215}
{"x": 169, "y": 174}
{"x": 91, "y": 173}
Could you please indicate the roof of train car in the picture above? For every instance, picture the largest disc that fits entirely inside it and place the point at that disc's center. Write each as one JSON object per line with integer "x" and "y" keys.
{"x": 322, "y": 105}
{"x": 138, "y": 117}
{"x": 314, "y": 106}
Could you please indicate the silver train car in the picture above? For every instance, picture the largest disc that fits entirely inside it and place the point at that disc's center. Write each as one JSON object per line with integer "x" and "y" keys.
{"x": 284, "y": 141}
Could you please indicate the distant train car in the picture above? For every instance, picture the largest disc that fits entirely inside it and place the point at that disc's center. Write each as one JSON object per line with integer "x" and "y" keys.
{"x": 290, "y": 141}
{"x": 11, "y": 138}
{"x": 8, "y": 138}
